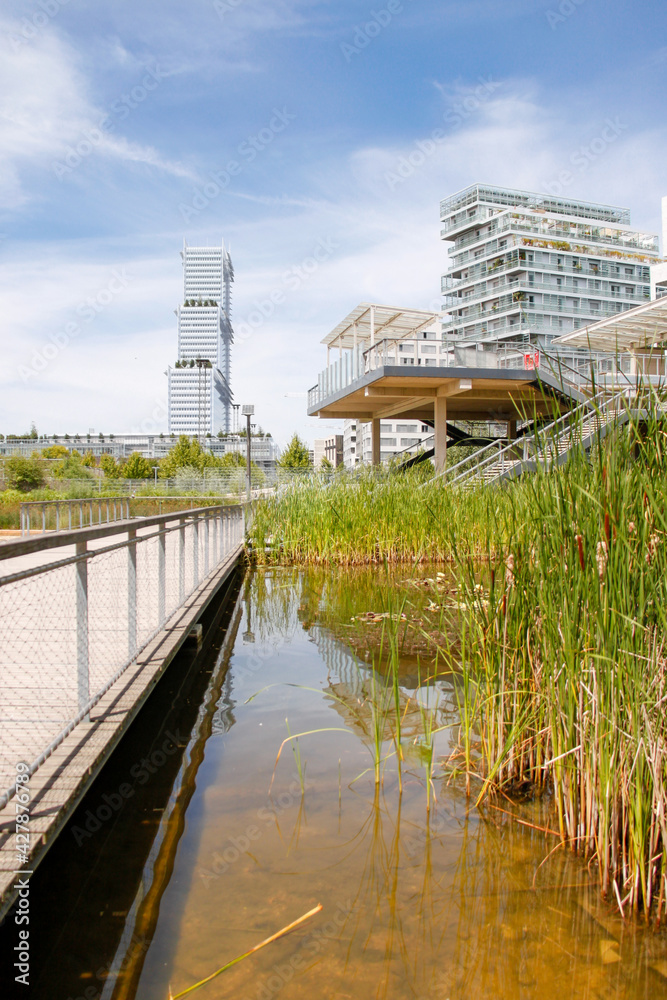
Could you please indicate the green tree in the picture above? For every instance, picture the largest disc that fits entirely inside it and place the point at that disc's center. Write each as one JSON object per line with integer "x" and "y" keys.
{"x": 71, "y": 467}
{"x": 109, "y": 466}
{"x": 89, "y": 460}
{"x": 187, "y": 453}
{"x": 24, "y": 474}
{"x": 326, "y": 465}
{"x": 55, "y": 451}
{"x": 295, "y": 456}
{"x": 137, "y": 467}
{"x": 232, "y": 459}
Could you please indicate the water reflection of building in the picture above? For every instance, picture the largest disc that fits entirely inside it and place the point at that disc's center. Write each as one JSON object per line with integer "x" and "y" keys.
{"x": 362, "y": 694}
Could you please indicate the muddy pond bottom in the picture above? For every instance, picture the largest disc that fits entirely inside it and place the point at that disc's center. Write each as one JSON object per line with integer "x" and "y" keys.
{"x": 423, "y": 896}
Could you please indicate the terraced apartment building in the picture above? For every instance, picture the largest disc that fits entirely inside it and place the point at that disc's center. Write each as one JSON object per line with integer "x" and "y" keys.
{"x": 526, "y": 268}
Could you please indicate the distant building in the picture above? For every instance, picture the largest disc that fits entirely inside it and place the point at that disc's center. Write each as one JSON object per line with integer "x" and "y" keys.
{"x": 330, "y": 448}
{"x": 199, "y": 392}
{"x": 529, "y": 267}
{"x": 263, "y": 450}
{"x": 397, "y": 438}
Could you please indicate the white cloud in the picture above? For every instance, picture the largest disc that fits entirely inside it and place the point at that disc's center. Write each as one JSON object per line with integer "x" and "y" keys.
{"x": 389, "y": 249}
{"x": 46, "y": 111}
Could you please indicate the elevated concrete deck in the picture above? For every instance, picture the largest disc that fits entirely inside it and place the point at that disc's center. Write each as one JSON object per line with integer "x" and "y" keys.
{"x": 437, "y": 394}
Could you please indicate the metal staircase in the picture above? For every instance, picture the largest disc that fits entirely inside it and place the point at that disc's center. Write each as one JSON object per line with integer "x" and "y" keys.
{"x": 548, "y": 445}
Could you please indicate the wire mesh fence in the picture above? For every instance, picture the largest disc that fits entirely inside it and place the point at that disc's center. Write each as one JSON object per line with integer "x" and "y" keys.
{"x": 74, "y": 617}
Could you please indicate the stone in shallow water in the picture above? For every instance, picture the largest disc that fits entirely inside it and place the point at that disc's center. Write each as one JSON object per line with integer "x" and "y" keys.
{"x": 609, "y": 952}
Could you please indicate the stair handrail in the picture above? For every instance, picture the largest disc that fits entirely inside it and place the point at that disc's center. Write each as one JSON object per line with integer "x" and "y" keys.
{"x": 587, "y": 404}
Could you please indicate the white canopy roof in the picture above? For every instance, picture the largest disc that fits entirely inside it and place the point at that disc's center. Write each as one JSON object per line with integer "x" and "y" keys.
{"x": 377, "y": 322}
{"x": 627, "y": 331}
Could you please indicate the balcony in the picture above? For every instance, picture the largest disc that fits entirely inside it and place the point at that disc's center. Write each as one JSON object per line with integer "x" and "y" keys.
{"x": 569, "y": 234}
{"x": 408, "y": 354}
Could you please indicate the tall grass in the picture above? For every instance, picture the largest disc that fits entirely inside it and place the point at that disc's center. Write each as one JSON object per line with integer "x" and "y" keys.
{"x": 565, "y": 663}
{"x": 562, "y": 650}
{"x": 374, "y": 517}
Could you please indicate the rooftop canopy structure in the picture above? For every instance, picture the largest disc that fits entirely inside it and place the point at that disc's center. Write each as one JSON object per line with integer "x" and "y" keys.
{"x": 639, "y": 329}
{"x": 394, "y": 363}
{"x": 370, "y": 322}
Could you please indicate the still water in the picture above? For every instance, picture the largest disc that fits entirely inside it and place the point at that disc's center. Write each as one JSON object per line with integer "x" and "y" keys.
{"x": 441, "y": 903}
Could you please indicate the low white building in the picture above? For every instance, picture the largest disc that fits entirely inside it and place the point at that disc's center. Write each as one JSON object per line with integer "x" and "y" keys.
{"x": 399, "y": 437}
{"x": 263, "y": 450}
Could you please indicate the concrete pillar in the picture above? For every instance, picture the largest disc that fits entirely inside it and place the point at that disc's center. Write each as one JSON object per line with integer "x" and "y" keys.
{"x": 375, "y": 441}
{"x": 440, "y": 428}
{"x": 511, "y": 429}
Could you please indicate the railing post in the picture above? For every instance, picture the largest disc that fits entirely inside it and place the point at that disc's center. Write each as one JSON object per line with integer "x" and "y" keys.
{"x": 69, "y": 512}
{"x": 43, "y": 518}
{"x": 181, "y": 561}
{"x": 57, "y": 515}
{"x": 195, "y": 552}
{"x": 81, "y": 513}
{"x": 162, "y": 574}
{"x": 207, "y": 538}
{"x": 82, "y": 650}
{"x": 132, "y": 593}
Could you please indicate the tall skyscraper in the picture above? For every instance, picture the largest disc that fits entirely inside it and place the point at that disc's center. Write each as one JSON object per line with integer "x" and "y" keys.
{"x": 199, "y": 391}
{"x": 526, "y": 267}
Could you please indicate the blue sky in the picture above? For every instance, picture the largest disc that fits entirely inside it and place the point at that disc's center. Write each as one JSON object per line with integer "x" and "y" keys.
{"x": 320, "y": 105}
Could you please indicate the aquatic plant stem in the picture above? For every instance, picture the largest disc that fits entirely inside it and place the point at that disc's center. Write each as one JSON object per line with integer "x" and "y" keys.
{"x": 235, "y": 961}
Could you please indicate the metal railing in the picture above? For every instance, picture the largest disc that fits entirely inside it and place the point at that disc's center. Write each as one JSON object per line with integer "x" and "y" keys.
{"x": 40, "y": 516}
{"x": 559, "y": 362}
{"x": 75, "y": 618}
{"x": 546, "y": 444}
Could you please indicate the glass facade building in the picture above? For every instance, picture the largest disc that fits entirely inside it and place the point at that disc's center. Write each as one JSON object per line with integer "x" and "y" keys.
{"x": 527, "y": 267}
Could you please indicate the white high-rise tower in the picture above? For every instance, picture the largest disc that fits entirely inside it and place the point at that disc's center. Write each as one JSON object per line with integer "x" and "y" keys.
{"x": 199, "y": 392}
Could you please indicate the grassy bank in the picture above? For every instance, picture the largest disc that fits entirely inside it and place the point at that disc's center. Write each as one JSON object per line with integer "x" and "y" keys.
{"x": 557, "y": 636}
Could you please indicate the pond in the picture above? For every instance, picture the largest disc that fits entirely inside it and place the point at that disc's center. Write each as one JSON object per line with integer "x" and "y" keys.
{"x": 423, "y": 895}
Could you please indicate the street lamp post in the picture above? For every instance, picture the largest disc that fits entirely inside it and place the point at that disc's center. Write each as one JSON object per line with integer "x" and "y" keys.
{"x": 202, "y": 364}
{"x": 155, "y": 470}
{"x": 247, "y": 412}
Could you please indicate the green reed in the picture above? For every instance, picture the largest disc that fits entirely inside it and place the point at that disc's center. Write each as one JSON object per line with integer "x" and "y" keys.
{"x": 564, "y": 660}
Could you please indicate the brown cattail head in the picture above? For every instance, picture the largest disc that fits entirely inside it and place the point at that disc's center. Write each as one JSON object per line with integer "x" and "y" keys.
{"x": 580, "y": 546}
{"x": 606, "y": 527}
